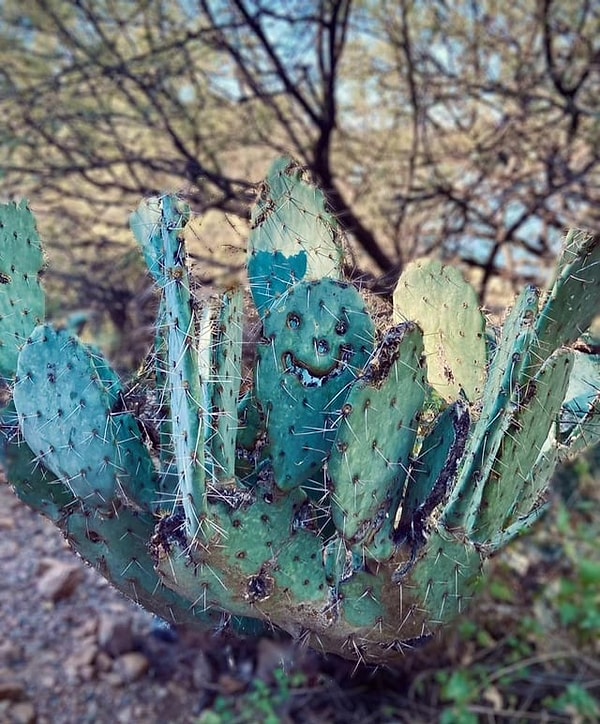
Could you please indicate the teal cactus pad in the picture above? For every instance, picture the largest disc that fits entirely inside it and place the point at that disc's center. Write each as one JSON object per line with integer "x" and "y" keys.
{"x": 251, "y": 437}
{"x": 446, "y": 308}
{"x": 369, "y": 460}
{"x": 434, "y": 471}
{"x": 69, "y": 419}
{"x": 506, "y": 373}
{"x": 226, "y": 380}
{"x": 293, "y": 236}
{"x": 158, "y": 226}
{"x": 446, "y": 574}
{"x": 510, "y": 492}
{"x": 573, "y": 299}
{"x": 22, "y": 299}
{"x": 319, "y": 337}
{"x": 580, "y": 415}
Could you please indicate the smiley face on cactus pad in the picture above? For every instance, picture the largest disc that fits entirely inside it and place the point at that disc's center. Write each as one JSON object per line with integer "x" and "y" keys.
{"x": 319, "y": 329}
{"x": 319, "y": 336}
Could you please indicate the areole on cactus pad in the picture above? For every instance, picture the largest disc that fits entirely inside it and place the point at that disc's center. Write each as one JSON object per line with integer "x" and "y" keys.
{"x": 347, "y": 488}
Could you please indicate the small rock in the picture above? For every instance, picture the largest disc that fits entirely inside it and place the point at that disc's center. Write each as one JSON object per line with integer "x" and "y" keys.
{"x": 131, "y": 666}
{"x": 6, "y": 523}
{"x": 59, "y": 580}
{"x": 11, "y": 690}
{"x": 229, "y": 685}
{"x": 23, "y": 713}
{"x": 115, "y": 635}
{"x": 10, "y": 652}
{"x": 103, "y": 662}
{"x": 86, "y": 652}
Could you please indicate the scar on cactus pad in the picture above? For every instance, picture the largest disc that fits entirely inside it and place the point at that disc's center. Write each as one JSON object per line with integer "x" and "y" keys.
{"x": 349, "y": 493}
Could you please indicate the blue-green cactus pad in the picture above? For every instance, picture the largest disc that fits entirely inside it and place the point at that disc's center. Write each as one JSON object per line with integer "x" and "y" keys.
{"x": 293, "y": 236}
{"x": 67, "y": 402}
{"x": 318, "y": 339}
{"x": 580, "y": 415}
{"x": 22, "y": 300}
{"x": 511, "y": 493}
{"x": 434, "y": 471}
{"x": 574, "y": 296}
{"x": 507, "y": 372}
{"x": 369, "y": 460}
{"x": 225, "y": 383}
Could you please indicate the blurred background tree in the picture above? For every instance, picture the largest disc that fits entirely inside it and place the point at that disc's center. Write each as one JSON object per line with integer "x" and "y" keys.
{"x": 468, "y": 130}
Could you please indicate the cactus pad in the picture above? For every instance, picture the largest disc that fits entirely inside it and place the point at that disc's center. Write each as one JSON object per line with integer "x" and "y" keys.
{"x": 318, "y": 338}
{"x": 69, "y": 415}
{"x": 22, "y": 299}
{"x": 439, "y": 300}
{"x": 369, "y": 460}
{"x": 293, "y": 238}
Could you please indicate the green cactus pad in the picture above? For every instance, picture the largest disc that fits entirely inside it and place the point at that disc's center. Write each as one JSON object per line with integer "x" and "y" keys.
{"x": 501, "y": 393}
{"x": 69, "y": 419}
{"x": 22, "y": 299}
{"x": 256, "y": 542}
{"x": 446, "y": 573}
{"x": 369, "y": 460}
{"x": 319, "y": 337}
{"x": 158, "y": 226}
{"x": 446, "y": 308}
{"x": 293, "y": 238}
{"x": 251, "y": 438}
{"x": 226, "y": 379}
{"x": 580, "y": 415}
{"x": 510, "y": 492}
{"x": 574, "y": 297}
{"x": 360, "y": 599}
{"x": 434, "y": 472}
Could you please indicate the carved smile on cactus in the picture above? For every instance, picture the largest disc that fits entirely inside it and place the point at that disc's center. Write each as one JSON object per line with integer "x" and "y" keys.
{"x": 311, "y": 377}
{"x": 351, "y": 496}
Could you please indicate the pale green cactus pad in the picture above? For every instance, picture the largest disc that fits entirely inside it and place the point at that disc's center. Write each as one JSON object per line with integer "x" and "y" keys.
{"x": 439, "y": 300}
{"x": 350, "y": 488}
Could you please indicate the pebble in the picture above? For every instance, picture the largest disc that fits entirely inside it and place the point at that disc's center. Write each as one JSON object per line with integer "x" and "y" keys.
{"x": 11, "y": 690}
{"x": 115, "y": 635}
{"x": 10, "y": 653}
{"x": 130, "y": 667}
{"x": 22, "y": 713}
{"x": 59, "y": 580}
{"x": 6, "y": 523}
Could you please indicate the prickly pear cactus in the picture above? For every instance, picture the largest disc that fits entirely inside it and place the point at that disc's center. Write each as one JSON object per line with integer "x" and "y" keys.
{"x": 348, "y": 488}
